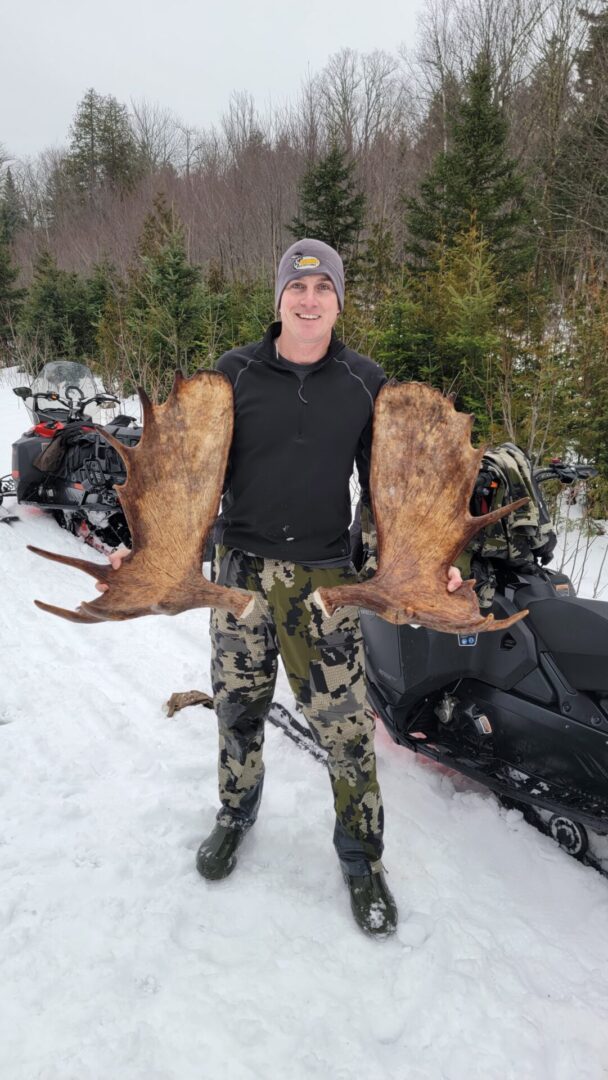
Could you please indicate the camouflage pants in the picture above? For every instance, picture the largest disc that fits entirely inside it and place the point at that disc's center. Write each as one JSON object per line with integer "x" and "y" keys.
{"x": 323, "y": 658}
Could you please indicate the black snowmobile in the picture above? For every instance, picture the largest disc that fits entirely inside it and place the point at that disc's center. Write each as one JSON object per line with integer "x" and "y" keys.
{"x": 62, "y": 464}
{"x": 524, "y": 712}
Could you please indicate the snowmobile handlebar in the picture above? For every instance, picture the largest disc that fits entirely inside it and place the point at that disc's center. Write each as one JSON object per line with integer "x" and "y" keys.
{"x": 565, "y": 473}
{"x": 489, "y": 479}
{"x": 75, "y": 410}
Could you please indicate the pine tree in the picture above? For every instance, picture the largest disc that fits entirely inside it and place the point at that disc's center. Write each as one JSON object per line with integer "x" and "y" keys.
{"x": 331, "y": 209}
{"x": 155, "y": 326}
{"x": 100, "y": 286}
{"x": 257, "y": 311}
{"x": 581, "y": 182}
{"x": 474, "y": 180}
{"x": 545, "y": 97}
{"x": 380, "y": 263}
{"x": 587, "y": 421}
{"x": 119, "y": 154}
{"x": 441, "y": 327}
{"x": 402, "y": 338}
{"x": 466, "y": 295}
{"x": 60, "y": 192}
{"x": 103, "y": 149}
{"x": 55, "y": 317}
{"x": 11, "y": 209}
{"x": 83, "y": 164}
{"x": 11, "y": 297}
{"x": 165, "y": 288}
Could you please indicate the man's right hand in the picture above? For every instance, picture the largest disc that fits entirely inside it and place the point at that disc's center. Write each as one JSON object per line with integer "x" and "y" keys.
{"x": 116, "y": 559}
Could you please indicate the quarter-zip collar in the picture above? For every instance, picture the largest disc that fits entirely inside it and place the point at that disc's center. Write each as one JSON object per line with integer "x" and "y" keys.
{"x": 266, "y": 350}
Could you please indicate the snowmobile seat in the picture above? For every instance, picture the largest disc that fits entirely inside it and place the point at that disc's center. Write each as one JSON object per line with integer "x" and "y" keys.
{"x": 575, "y": 632}
{"x": 122, "y": 420}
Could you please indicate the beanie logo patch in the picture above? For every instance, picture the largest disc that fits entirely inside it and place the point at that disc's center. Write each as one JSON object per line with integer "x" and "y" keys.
{"x": 305, "y": 262}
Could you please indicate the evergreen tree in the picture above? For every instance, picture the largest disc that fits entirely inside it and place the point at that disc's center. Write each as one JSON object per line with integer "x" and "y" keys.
{"x": 581, "y": 182}
{"x": 103, "y": 149}
{"x": 442, "y": 328}
{"x": 11, "y": 297}
{"x": 164, "y": 292}
{"x": 101, "y": 285}
{"x": 83, "y": 164}
{"x": 11, "y": 210}
{"x": 473, "y": 180}
{"x": 380, "y": 263}
{"x": 465, "y": 293}
{"x": 119, "y": 154}
{"x": 587, "y": 418}
{"x": 155, "y": 327}
{"x": 55, "y": 317}
{"x": 256, "y": 311}
{"x": 331, "y": 209}
{"x": 550, "y": 93}
{"x": 60, "y": 192}
{"x": 402, "y": 336}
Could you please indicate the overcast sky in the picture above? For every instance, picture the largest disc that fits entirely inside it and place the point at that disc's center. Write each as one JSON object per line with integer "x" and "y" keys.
{"x": 188, "y": 55}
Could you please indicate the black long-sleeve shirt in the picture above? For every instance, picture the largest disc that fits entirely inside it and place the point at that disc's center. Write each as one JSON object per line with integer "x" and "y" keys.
{"x": 298, "y": 429}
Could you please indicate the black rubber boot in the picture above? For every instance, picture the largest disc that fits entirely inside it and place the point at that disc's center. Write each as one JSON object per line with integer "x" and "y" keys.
{"x": 216, "y": 857}
{"x": 372, "y": 903}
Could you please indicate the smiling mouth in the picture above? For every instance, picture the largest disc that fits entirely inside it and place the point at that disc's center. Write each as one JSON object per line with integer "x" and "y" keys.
{"x": 309, "y": 318}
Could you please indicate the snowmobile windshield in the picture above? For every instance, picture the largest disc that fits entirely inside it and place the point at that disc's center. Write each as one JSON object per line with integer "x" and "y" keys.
{"x": 60, "y": 377}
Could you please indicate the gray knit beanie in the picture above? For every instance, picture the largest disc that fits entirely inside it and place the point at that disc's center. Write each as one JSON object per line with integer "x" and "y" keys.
{"x": 310, "y": 257}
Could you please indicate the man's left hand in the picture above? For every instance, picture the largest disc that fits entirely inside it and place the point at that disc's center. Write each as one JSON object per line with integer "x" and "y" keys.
{"x": 454, "y": 579}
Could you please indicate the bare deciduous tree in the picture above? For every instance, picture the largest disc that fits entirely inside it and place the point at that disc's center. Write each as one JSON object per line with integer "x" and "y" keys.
{"x": 157, "y": 133}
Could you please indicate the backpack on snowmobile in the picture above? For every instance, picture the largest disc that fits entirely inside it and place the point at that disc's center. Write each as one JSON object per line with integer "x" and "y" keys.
{"x": 522, "y": 539}
{"x": 80, "y": 452}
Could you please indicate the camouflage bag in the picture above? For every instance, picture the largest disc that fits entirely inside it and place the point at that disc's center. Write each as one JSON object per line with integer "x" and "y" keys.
{"x": 522, "y": 538}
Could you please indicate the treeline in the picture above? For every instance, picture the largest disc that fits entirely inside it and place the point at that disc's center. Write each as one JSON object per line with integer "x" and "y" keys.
{"x": 465, "y": 184}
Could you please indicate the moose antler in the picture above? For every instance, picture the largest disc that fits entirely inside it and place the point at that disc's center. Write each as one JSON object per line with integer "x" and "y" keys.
{"x": 423, "y": 470}
{"x": 170, "y": 499}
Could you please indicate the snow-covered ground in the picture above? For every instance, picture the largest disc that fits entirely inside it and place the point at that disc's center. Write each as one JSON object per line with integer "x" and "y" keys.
{"x": 118, "y": 962}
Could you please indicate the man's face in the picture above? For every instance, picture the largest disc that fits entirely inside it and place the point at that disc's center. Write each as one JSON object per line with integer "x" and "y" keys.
{"x": 309, "y": 308}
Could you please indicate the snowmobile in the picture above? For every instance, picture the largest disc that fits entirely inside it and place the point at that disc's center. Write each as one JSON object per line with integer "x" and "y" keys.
{"x": 523, "y": 712}
{"x": 62, "y": 464}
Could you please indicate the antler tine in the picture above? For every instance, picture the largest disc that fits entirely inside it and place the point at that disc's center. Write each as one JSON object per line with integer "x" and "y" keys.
{"x": 147, "y": 407}
{"x": 72, "y": 616}
{"x": 100, "y": 571}
{"x": 495, "y": 515}
{"x": 148, "y": 417}
{"x": 149, "y": 423}
{"x": 124, "y": 452}
{"x": 504, "y": 624}
{"x": 101, "y": 613}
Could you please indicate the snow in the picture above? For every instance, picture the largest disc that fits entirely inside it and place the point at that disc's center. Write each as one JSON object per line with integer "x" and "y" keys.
{"x": 119, "y": 961}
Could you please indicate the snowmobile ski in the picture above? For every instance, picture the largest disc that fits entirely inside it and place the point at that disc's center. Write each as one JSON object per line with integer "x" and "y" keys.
{"x": 298, "y": 732}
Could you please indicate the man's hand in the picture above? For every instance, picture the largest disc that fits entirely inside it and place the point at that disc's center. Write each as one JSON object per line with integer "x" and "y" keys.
{"x": 454, "y": 579}
{"x": 116, "y": 559}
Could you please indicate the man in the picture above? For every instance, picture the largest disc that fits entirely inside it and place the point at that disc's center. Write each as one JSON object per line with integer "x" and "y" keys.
{"x": 303, "y": 406}
{"x": 303, "y": 415}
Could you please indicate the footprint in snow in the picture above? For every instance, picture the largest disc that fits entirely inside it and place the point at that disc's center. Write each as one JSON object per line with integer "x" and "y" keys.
{"x": 414, "y": 931}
